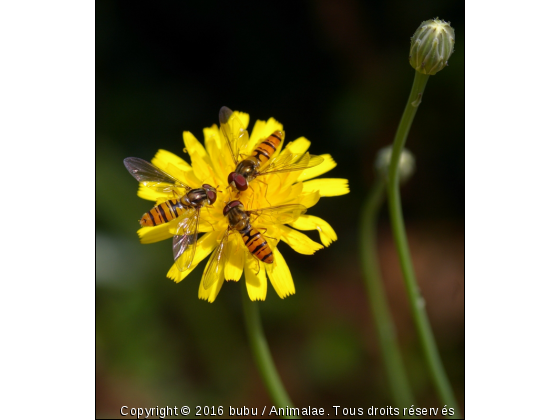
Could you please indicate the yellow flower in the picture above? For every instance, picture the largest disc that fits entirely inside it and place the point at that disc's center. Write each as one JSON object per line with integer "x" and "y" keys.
{"x": 211, "y": 164}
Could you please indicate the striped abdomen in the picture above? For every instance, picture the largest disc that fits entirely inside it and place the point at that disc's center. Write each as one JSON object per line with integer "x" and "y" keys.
{"x": 264, "y": 151}
{"x": 256, "y": 244}
{"x": 163, "y": 213}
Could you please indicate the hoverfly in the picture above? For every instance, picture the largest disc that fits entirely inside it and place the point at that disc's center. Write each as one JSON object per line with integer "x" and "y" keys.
{"x": 241, "y": 220}
{"x": 185, "y": 207}
{"x": 260, "y": 162}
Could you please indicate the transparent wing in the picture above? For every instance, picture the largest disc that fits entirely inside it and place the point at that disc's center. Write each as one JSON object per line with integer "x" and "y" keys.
{"x": 215, "y": 264}
{"x": 289, "y": 162}
{"x": 287, "y": 213}
{"x": 152, "y": 177}
{"x": 184, "y": 241}
{"x": 232, "y": 129}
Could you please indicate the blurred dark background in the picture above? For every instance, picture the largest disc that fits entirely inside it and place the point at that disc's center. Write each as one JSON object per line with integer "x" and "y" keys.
{"x": 337, "y": 73}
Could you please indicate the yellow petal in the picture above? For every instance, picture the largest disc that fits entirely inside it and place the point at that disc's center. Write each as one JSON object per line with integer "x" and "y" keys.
{"x": 201, "y": 169}
{"x": 211, "y": 293}
{"x": 243, "y": 118}
{"x": 218, "y": 157}
{"x": 290, "y": 194}
{"x": 309, "y": 199}
{"x": 177, "y": 173}
{"x": 179, "y": 169}
{"x": 298, "y": 241}
{"x": 163, "y": 157}
{"x": 148, "y": 194}
{"x": 192, "y": 180}
{"x": 235, "y": 258}
{"x": 218, "y": 150}
{"x": 318, "y": 170}
{"x": 204, "y": 247}
{"x": 308, "y": 222}
{"x": 212, "y": 218}
{"x": 151, "y": 234}
{"x": 327, "y": 187}
{"x": 255, "y": 278}
{"x": 210, "y": 132}
{"x": 200, "y": 160}
{"x": 193, "y": 146}
{"x": 280, "y": 276}
{"x": 299, "y": 145}
{"x": 213, "y": 133}
{"x": 292, "y": 176}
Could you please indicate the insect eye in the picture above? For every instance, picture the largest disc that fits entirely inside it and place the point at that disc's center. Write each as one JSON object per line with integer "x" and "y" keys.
{"x": 237, "y": 181}
{"x": 240, "y": 182}
{"x": 211, "y": 196}
{"x": 231, "y": 205}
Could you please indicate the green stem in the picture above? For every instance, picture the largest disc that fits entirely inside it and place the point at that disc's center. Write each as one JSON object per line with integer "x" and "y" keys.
{"x": 262, "y": 355}
{"x": 398, "y": 383}
{"x": 416, "y": 301}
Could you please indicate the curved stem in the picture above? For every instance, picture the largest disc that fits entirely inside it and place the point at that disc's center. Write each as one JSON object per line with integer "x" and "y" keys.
{"x": 398, "y": 382}
{"x": 416, "y": 301}
{"x": 262, "y": 355}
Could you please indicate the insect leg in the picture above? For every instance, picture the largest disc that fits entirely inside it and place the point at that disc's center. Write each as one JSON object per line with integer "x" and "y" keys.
{"x": 265, "y": 190}
{"x": 210, "y": 223}
{"x": 252, "y": 196}
{"x": 258, "y": 265}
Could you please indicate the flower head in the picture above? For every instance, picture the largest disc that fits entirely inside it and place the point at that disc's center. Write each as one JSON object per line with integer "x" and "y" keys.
{"x": 284, "y": 195}
{"x": 431, "y": 46}
{"x": 407, "y": 163}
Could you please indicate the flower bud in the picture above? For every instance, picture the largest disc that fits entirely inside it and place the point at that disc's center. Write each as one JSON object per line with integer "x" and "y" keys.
{"x": 431, "y": 46}
{"x": 407, "y": 163}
